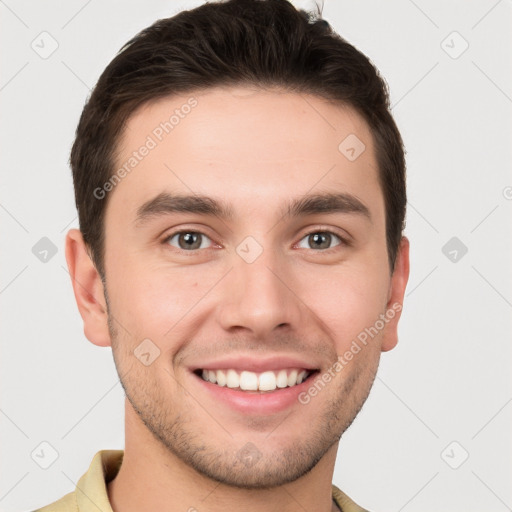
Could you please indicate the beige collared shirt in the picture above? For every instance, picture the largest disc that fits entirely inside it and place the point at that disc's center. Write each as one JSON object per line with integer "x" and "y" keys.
{"x": 90, "y": 494}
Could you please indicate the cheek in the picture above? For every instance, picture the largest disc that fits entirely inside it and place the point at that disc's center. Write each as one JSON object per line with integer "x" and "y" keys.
{"x": 348, "y": 302}
{"x": 151, "y": 299}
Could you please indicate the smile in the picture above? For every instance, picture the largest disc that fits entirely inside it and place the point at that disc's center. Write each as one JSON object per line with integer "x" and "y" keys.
{"x": 251, "y": 381}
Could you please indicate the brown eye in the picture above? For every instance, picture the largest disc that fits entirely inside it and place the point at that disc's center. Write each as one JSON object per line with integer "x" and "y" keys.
{"x": 320, "y": 240}
{"x": 189, "y": 240}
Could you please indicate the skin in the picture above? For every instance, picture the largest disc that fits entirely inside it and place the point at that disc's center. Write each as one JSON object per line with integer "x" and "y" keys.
{"x": 255, "y": 150}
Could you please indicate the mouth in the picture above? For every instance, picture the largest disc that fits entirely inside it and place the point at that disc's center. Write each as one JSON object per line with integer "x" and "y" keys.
{"x": 270, "y": 381}
{"x": 250, "y": 386}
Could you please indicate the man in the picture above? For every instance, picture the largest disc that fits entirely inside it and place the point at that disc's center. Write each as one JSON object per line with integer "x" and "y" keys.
{"x": 240, "y": 185}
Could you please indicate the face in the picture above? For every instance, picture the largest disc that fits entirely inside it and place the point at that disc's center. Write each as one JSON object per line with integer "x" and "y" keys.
{"x": 246, "y": 248}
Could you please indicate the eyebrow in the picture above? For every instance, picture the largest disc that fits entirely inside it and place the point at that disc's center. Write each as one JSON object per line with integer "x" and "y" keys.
{"x": 166, "y": 203}
{"x": 327, "y": 203}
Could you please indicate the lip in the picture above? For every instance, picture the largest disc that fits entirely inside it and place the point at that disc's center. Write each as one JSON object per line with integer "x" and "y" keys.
{"x": 254, "y": 402}
{"x": 257, "y": 365}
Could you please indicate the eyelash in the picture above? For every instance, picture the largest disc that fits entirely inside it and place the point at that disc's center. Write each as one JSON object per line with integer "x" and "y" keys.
{"x": 343, "y": 240}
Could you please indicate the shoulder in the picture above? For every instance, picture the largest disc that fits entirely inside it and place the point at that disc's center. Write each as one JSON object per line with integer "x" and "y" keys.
{"x": 90, "y": 493}
{"x": 344, "y": 502}
{"x": 66, "y": 504}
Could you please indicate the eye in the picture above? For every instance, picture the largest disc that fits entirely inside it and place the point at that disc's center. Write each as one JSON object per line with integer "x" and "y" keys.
{"x": 320, "y": 240}
{"x": 189, "y": 240}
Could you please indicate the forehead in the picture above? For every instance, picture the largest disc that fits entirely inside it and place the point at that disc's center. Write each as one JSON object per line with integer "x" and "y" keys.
{"x": 250, "y": 145}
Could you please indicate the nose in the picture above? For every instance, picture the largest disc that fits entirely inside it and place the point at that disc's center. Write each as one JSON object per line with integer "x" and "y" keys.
{"x": 258, "y": 297}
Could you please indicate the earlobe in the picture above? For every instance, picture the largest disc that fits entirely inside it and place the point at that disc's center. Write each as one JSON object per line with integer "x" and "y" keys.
{"x": 88, "y": 290}
{"x": 396, "y": 296}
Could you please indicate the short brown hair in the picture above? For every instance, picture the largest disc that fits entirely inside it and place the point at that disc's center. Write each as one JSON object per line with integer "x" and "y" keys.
{"x": 237, "y": 42}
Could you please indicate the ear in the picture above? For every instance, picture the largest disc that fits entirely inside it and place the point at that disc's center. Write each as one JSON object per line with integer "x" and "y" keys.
{"x": 396, "y": 296}
{"x": 88, "y": 289}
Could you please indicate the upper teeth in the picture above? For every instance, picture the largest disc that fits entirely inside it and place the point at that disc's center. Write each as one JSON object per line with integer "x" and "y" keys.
{"x": 250, "y": 381}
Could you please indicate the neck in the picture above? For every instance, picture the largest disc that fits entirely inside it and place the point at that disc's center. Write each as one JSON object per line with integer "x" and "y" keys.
{"x": 152, "y": 478}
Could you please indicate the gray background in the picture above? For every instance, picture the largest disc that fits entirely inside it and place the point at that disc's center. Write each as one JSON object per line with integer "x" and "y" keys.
{"x": 443, "y": 394}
